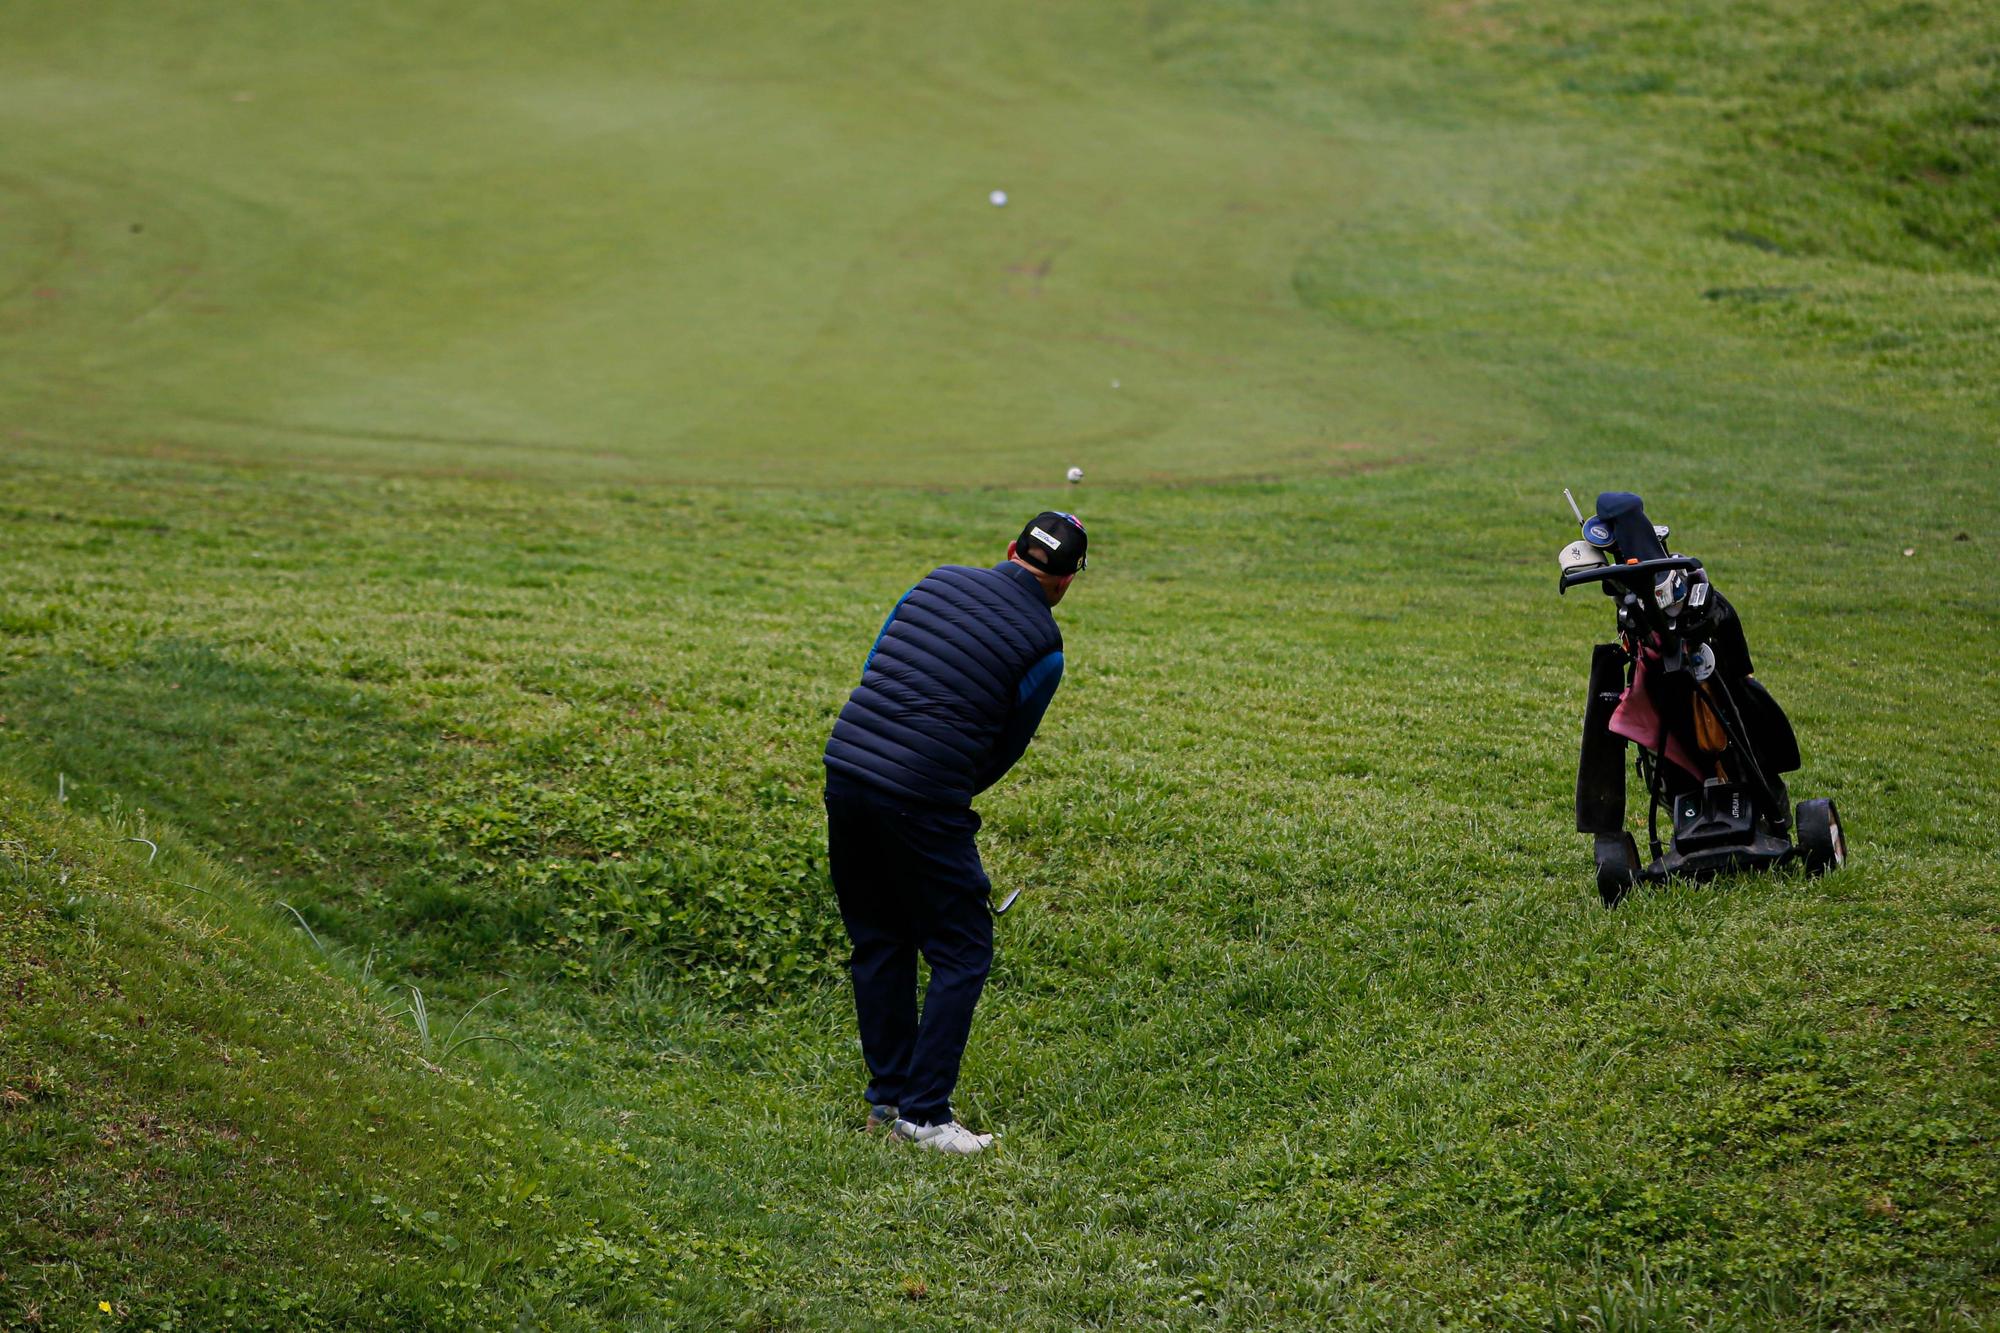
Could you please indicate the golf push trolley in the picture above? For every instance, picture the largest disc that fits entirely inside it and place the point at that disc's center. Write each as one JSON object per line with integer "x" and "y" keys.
{"x": 1712, "y": 744}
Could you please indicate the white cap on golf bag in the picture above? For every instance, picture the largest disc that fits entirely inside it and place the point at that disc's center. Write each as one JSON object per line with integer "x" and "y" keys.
{"x": 1670, "y": 590}
{"x": 1582, "y": 555}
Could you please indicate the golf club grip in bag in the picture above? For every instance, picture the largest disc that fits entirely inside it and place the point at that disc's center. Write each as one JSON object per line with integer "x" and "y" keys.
{"x": 1600, "y": 771}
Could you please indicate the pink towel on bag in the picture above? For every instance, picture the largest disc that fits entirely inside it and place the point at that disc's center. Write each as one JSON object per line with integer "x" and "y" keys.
{"x": 1638, "y": 721}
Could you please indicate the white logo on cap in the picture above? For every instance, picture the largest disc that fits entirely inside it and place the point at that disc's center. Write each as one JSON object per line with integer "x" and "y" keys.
{"x": 1052, "y": 543}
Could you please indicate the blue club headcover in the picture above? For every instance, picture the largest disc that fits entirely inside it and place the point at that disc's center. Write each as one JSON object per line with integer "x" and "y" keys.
{"x": 1630, "y": 528}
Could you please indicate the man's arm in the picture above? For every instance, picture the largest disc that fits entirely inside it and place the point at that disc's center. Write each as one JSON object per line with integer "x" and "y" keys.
{"x": 1031, "y": 700}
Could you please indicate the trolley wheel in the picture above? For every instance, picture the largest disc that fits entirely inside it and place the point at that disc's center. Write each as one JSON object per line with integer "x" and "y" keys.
{"x": 1617, "y": 866}
{"x": 1821, "y": 840}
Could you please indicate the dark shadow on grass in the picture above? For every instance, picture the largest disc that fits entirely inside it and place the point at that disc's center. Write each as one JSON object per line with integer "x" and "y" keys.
{"x": 308, "y": 783}
{"x": 384, "y": 831}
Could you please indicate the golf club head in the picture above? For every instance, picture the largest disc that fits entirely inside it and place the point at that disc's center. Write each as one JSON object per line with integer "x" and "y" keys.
{"x": 1581, "y": 555}
{"x": 1006, "y": 903}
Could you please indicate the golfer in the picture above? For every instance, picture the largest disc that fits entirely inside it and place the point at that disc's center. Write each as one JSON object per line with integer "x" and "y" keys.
{"x": 949, "y": 698}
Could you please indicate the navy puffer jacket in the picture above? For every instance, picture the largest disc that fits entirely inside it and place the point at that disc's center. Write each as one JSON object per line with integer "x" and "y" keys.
{"x": 953, "y": 690}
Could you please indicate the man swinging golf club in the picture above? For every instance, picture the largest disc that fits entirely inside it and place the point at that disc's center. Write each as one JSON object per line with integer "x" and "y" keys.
{"x": 949, "y": 698}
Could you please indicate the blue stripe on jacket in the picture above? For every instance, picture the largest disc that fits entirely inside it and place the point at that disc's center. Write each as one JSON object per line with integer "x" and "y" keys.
{"x": 884, "y": 630}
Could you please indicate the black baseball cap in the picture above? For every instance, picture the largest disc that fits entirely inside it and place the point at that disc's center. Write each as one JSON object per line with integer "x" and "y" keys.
{"x": 1053, "y": 542}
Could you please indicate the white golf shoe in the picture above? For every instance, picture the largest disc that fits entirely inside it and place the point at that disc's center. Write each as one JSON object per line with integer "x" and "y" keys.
{"x": 950, "y": 1137}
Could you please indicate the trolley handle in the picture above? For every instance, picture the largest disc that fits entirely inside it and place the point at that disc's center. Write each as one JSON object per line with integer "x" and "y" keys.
{"x": 1627, "y": 573}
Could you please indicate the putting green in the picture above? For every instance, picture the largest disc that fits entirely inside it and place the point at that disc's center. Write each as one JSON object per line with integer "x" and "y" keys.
{"x": 734, "y": 250}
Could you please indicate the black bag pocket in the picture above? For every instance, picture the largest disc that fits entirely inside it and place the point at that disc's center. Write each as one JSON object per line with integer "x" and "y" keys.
{"x": 1600, "y": 770}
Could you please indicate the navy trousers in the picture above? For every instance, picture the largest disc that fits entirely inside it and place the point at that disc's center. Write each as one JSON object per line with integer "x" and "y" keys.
{"x": 909, "y": 881}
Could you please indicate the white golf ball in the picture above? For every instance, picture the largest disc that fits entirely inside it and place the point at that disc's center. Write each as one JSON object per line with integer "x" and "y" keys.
{"x": 1075, "y": 475}
{"x": 998, "y": 198}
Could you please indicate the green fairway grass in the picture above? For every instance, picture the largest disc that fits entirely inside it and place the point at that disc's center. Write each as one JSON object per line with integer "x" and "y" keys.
{"x": 454, "y": 468}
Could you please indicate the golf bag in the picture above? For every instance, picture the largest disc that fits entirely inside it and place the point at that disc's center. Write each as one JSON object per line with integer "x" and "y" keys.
{"x": 1712, "y": 745}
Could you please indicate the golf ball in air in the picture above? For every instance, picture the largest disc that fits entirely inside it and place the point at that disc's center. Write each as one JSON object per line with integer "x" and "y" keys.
{"x": 998, "y": 198}
{"x": 1075, "y": 475}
